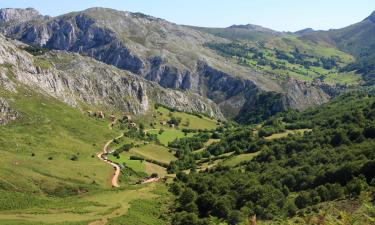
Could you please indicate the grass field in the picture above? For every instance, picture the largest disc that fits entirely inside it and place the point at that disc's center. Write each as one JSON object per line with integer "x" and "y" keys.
{"x": 136, "y": 165}
{"x": 153, "y": 168}
{"x": 194, "y": 121}
{"x": 187, "y": 120}
{"x": 169, "y": 135}
{"x": 89, "y": 207}
{"x": 40, "y": 184}
{"x": 286, "y": 133}
{"x": 208, "y": 143}
{"x": 154, "y": 152}
{"x": 236, "y": 160}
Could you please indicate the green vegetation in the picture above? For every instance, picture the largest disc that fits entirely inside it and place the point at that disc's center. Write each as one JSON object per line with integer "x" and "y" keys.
{"x": 162, "y": 116}
{"x": 293, "y": 175}
{"x": 239, "y": 159}
{"x": 136, "y": 165}
{"x": 154, "y": 152}
{"x": 42, "y": 63}
{"x": 289, "y": 57}
{"x": 36, "y": 190}
{"x": 169, "y": 135}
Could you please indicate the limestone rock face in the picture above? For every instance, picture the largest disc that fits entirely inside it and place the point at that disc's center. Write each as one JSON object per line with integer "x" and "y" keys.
{"x": 170, "y": 55}
{"x": 6, "y": 113}
{"x": 73, "y": 78}
{"x": 18, "y": 15}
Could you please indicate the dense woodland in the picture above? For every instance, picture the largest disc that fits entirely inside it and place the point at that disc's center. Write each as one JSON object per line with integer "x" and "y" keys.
{"x": 291, "y": 175}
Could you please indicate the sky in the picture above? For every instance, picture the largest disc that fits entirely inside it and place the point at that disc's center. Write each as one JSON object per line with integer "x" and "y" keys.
{"x": 281, "y": 15}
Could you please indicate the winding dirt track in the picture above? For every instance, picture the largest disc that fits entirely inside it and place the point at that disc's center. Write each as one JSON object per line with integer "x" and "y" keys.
{"x": 114, "y": 180}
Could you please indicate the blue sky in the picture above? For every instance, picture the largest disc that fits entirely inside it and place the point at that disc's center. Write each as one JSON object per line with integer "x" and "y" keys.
{"x": 282, "y": 15}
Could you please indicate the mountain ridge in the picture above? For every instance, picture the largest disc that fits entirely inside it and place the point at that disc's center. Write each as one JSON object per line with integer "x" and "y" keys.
{"x": 155, "y": 49}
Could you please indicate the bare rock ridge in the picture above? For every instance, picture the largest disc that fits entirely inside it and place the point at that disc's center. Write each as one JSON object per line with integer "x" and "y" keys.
{"x": 73, "y": 78}
{"x": 6, "y": 113}
{"x": 168, "y": 54}
{"x": 18, "y": 15}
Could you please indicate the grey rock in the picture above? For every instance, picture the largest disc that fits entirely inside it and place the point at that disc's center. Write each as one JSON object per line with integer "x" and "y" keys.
{"x": 10, "y": 15}
{"x": 73, "y": 78}
{"x": 7, "y": 114}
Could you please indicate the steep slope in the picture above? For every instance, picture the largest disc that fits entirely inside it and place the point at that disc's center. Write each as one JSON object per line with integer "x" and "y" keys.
{"x": 358, "y": 40}
{"x": 331, "y": 165}
{"x": 170, "y": 55}
{"x": 75, "y": 79}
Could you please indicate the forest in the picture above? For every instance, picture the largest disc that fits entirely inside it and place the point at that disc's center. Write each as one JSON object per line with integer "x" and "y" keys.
{"x": 333, "y": 160}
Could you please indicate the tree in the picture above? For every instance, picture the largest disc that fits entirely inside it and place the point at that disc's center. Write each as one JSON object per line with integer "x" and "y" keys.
{"x": 188, "y": 196}
{"x": 303, "y": 200}
{"x": 222, "y": 208}
{"x": 339, "y": 138}
{"x": 235, "y": 217}
{"x": 175, "y": 121}
{"x": 205, "y": 203}
{"x": 185, "y": 218}
{"x": 356, "y": 186}
{"x": 369, "y": 132}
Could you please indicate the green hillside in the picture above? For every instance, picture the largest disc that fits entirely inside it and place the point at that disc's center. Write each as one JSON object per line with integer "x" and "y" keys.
{"x": 49, "y": 167}
{"x": 357, "y": 40}
{"x": 290, "y": 57}
{"x": 299, "y": 175}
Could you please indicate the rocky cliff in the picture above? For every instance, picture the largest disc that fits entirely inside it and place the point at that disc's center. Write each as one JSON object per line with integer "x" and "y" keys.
{"x": 73, "y": 78}
{"x": 16, "y": 16}
{"x": 6, "y": 113}
{"x": 168, "y": 54}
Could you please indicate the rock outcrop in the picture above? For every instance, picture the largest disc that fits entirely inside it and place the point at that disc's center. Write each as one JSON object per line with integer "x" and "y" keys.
{"x": 7, "y": 114}
{"x": 173, "y": 56}
{"x": 73, "y": 78}
{"x": 10, "y": 15}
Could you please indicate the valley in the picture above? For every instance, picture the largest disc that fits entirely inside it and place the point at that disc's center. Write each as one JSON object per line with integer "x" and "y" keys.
{"x": 110, "y": 117}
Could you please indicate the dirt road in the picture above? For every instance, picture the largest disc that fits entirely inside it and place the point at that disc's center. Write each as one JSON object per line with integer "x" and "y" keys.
{"x": 116, "y": 174}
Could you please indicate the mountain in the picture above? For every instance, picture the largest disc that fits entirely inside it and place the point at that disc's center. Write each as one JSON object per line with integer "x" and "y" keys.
{"x": 356, "y": 39}
{"x": 304, "y": 31}
{"x": 110, "y": 117}
{"x": 73, "y": 78}
{"x": 171, "y": 55}
{"x": 247, "y": 32}
{"x": 15, "y": 16}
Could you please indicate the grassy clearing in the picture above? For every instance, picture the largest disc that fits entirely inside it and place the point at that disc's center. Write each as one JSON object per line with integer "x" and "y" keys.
{"x": 42, "y": 63}
{"x": 154, "y": 152}
{"x": 136, "y": 165}
{"x": 169, "y": 135}
{"x": 194, "y": 122}
{"x": 163, "y": 115}
{"x": 236, "y": 160}
{"x": 286, "y": 133}
{"x": 208, "y": 143}
{"x": 147, "y": 212}
{"x": 153, "y": 168}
